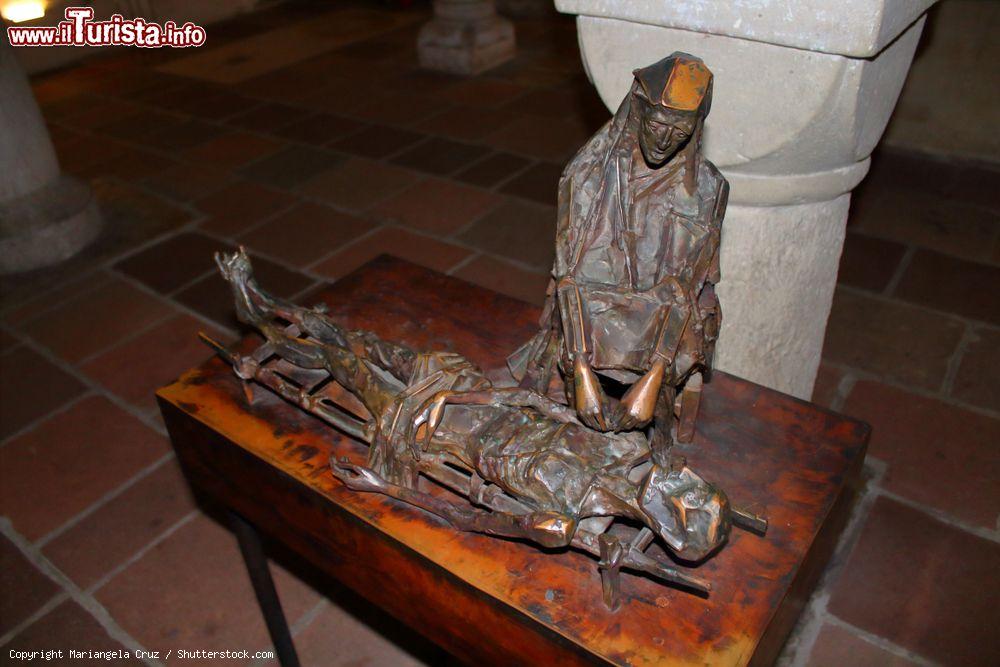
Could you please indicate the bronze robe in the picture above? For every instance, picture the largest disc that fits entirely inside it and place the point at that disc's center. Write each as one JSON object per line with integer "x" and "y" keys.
{"x": 637, "y": 258}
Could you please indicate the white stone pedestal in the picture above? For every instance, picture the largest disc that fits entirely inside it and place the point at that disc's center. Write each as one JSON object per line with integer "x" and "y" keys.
{"x": 803, "y": 91}
{"x": 45, "y": 216}
{"x": 465, "y": 37}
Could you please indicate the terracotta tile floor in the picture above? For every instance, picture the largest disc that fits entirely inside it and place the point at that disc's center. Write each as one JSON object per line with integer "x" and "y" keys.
{"x": 321, "y": 164}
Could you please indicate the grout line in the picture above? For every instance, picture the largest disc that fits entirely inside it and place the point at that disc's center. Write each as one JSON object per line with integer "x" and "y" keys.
{"x": 132, "y": 335}
{"x": 294, "y": 629}
{"x": 71, "y": 590}
{"x": 263, "y": 221}
{"x": 863, "y": 375}
{"x": 497, "y": 187}
{"x": 844, "y": 388}
{"x": 124, "y": 565}
{"x": 897, "y": 275}
{"x": 881, "y": 642}
{"x": 307, "y": 618}
{"x": 58, "y": 302}
{"x": 919, "y": 306}
{"x": 207, "y": 321}
{"x": 104, "y": 500}
{"x": 33, "y": 424}
{"x": 462, "y": 263}
{"x": 986, "y": 533}
{"x": 54, "y": 602}
{"x": 310, "y": 269}
{"x": 955, "y": 361}
{"x": 874, "y": 234}
{"x": 797, "y": 652}
{"x": 145, "y": 417}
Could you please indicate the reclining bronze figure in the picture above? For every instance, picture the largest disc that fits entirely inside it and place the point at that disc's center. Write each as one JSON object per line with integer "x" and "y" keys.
{"x": 632, "y": 302}
{"x": 523, "y": 466}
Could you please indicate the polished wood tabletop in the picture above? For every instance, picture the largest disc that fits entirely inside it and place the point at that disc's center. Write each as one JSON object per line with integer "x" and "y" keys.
{"x": 495, "y": 600}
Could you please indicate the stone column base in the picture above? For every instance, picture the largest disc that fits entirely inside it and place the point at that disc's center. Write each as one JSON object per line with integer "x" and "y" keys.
{"x": 779, "y": 270}
{"x": 47, "y": 226}
{"x": 465, "y": 38}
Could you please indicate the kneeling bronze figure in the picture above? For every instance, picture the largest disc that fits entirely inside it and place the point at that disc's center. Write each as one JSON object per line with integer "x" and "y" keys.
{"x": 523, "y": 466}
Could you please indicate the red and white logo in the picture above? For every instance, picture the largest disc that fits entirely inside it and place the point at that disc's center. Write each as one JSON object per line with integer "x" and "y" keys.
{"x": 80, "y": 29}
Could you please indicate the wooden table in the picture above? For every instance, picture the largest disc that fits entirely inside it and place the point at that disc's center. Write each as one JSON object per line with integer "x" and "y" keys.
{"x": 499, "y": 601}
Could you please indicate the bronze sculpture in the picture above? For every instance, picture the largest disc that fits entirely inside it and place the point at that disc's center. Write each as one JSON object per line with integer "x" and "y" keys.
{"x": 632, "y": 300}
{"x": 524, "y": 465}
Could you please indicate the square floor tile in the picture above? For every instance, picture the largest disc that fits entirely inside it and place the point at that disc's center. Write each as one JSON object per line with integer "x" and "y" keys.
{"x": 464, "y": 124}
{"x": 379, "y": 106}
{"x": 171, "y": 264}
{"x": 917, "y": 436}
{"x": 111, "y": 535}
{"x": 837, "y": 647}
{"x": 241, "y": 205}
{"x": 924, "y": 218}
{"x": 482, "y": 93}
{"x": 437, "y": 206}
{"x": 500, "y": 276}
{"x": 25, "y": 588}
{"x": 978, "y": 378}
{"x": 291, "y": 167}
{"x": 267, "y": 116}
{"x": 440, "y": 156}
{"x": 358, "y": 184}
{"x": 96, "y": 320}
{"x": 891, "y": 339}
{"x": 232, "y": 150}
{"x": 70, "y": 627}
{"x": 30, "y": 388}
{"x": 424, "y": 250}
{"x": 306, "y": 232}
{"x": 163, "y": 353}
{"x": 187, "y": 182}
{"x": 923, "y": 585}
{"x": 57, "y": 470}
{"x": 377, "y": 141}
{"x": 320, "y": 128}
{"x": 551, "y": 139}
{"x": 970, "y": 289}
{"x": 869, "y": 263}
{"x": 522, "y": 231}
{"x": 493, "y": 169}
{"x": 540, "y": 182}
{"x": 192, "y": 590}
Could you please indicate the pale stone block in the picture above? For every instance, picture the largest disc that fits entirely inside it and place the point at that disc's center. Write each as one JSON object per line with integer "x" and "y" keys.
{"x": 465, "y": 37}
{"x": 787, "y": 125}
{"x": 857, "y": 28}
{"x": 779, "y": 269}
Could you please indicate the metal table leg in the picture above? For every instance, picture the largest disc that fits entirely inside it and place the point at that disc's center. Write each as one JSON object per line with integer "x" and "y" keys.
{"x": 263, "y": 586}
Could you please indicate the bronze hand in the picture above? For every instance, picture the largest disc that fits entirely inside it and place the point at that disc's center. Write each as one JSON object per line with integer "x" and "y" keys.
{"x": 638, "y": 403}
{"x": 589, "y": 397}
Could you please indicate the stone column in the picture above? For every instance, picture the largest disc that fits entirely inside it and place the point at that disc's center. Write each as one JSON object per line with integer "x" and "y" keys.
{"x": 45, "y": 216}
{"x": 803, "y": 91}
{"x": 465, "y": 37}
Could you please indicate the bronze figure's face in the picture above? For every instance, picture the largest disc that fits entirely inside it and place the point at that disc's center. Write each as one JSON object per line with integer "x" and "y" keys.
{"x": 663, "y": 132}
{"x": 691, "y": 515}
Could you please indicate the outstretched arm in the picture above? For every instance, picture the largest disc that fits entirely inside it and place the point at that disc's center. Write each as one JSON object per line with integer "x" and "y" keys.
{"x": 432, "y": 410}
{"x": 550, "y": 529}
